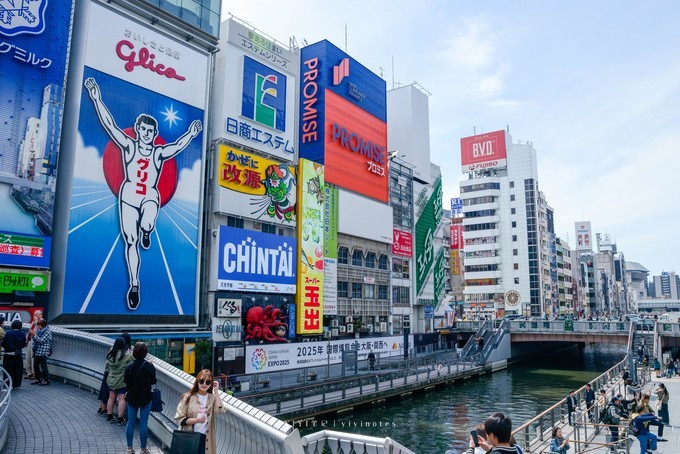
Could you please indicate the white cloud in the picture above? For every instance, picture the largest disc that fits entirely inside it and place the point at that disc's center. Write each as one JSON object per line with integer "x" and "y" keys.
{"x": 89, "y": 164}
{"x": 189, "y": 183}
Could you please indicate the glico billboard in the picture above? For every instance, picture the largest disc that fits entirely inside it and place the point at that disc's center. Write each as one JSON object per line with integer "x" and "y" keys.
{"x": 343, "y": 118}
{"x": 134, "y": 228}
{"x": 483, "y": 151}
{"x": 34, "y": 49}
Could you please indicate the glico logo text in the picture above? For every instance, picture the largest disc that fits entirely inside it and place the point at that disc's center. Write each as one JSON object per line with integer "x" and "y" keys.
{"x": 145, "y": 59}
{"x": 264, "y": 95}
{"x": 354, "y": 142}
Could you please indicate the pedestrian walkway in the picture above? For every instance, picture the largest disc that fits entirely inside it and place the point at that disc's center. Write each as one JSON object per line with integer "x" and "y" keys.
{"x": 62, "y": 419}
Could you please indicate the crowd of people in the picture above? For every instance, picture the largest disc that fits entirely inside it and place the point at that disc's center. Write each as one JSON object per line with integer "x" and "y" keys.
{"x": 37, "y": 345}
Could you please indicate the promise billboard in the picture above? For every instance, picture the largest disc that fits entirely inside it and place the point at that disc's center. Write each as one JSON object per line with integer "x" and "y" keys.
{"x": 483, "y": 151}
{"x": 343, "y": 117}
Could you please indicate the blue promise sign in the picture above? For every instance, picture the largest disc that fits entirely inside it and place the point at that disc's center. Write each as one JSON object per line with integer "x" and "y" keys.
{"x": 255, "y": 261}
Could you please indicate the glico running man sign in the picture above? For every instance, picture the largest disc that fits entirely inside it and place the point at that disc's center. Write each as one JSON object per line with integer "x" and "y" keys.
{"x": 135, "y": 219}
{"x": 34, "y": 48}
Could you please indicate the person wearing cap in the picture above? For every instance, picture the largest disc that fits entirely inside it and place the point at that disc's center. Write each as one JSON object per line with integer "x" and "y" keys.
{"x": 13, "y": 343}
{"x": 614, "y": 419}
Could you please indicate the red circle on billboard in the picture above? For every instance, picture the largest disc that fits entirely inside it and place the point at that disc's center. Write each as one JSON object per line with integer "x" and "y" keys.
{"x": 114, "y": 169}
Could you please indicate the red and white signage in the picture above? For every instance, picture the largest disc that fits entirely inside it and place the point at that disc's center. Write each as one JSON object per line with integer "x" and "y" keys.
{"x": 483, "y": 151}
{"x": 402, "y": 243}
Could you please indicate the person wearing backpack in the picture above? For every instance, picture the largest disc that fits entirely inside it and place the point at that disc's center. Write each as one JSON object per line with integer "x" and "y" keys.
{"x": 639, "y": 430}
{"x": 139, "y": 376}
{"x": 613, "y": 419}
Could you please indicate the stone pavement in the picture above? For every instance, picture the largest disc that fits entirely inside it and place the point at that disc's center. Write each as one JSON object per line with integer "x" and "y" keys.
{"x": 63, "y": 419}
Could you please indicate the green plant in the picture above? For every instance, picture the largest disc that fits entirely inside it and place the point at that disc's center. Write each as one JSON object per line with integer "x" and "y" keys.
{"x": 203, "y": 354}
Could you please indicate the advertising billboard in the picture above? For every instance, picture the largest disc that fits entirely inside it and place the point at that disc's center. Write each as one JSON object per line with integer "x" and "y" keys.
{"x": 330, "y": 260}
{"x": 34, "y": 48}
{"x": 456, "y": 206}
{"x": 255, "y": 187}
{"x": 439, "y": 276}
{"x": 310, "y": 288}
{"x": 343, "y": 118}
{"x": 271, "y": 358}
{"x": 29, "y": 281}
{"x": 363, "y": 217}
{"x": 402, "y": 243}
{"x": 426, "y": 227}
{"x": 255, "y": 86}
{"x": 133, "y": 234}
{"x": 456, "y": 230}
{"x": 455, "y": 262}
{"x": 256, "y": 261}
{"x": 584, "y": 236}
{"x": 483, "y": 151}
{"x": 266, "y": 318}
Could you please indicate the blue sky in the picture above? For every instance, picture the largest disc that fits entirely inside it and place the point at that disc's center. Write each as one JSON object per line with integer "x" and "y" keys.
{"x": 595, "y": 86}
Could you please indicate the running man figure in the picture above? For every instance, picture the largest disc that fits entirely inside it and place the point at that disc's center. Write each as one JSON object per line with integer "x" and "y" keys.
{"x": 138, "y": 198}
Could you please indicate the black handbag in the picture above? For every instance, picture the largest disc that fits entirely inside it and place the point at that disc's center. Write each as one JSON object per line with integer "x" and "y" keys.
{"x": 156, "y": 401}
{"x": 187, "y": 442}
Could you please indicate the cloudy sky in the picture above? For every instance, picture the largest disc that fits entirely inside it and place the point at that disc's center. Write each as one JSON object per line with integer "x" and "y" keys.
{"x": 595, "y": 86}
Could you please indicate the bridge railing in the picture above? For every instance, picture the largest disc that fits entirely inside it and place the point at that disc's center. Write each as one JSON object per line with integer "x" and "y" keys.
{"x": 79, "y": 358}
{"x": 563, "y": 326}
{"x": 5, "y": 400}
{"x": 668, "y": 329}
{"x": 320, "y": 442}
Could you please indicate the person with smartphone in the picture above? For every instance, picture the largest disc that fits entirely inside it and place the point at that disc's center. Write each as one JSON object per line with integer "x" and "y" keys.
{"x": 559, "y": 444}
{"x": 499, "y": 438}
{"x": 198, "y": 406}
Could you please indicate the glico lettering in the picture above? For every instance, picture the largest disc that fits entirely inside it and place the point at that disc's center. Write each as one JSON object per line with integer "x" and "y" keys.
{"x": 310, "y": 89}
{"x": 247, "y": 257}
{"x": 145, "y": 59}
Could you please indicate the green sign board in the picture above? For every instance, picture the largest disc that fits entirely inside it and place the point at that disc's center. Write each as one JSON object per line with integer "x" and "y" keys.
{"x": 331, "y": 222}
{"x": 426, "y": 227}
{"x": 569, "y": 325}
{"x": 34, "y": 282}
{"x": 439, "y": 276}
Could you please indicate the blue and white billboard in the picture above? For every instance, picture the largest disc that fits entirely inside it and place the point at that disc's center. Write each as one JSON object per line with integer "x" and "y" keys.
{"x": 34, "y": 46}
{"x": 133, "y": 239}
{"x": 255, "y": 261}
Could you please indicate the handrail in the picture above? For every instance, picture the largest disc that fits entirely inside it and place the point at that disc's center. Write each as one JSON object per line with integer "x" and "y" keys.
{"x": 631, "y": 334}
{"x": 5, "y": 401}
{"x": 317, "y": 442}
{"x": 657, "y": 340}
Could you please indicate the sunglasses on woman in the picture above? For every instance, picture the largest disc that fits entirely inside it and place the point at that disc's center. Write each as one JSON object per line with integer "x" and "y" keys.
{"x": 204, "y": 382}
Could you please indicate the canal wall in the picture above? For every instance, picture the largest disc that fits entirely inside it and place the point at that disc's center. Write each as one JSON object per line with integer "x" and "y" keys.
{"x": 521, "y": 351}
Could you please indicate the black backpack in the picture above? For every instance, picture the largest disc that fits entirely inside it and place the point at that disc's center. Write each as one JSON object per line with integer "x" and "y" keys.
{"x": 605, "y": 416}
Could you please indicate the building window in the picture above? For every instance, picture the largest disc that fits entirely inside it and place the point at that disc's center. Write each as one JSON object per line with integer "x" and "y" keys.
{"x": 234, "y": 222}
{"x": 382, "y": 262}
{"x": 357, "y": 257}
{"x": 514, "y": 238}
{"x": 369, "y": 291}
{"x": 514, "y": 224}
{"x": 479, "y": 187}
{"x": 513, "y": 211}
{"x": 383, "y": 291}
{"x": 512, "y": 197}
{"x": 343, "y": 254}
{"x": 356, "y": 290}
{"x": 516, "y": 280}
{"x": 400, "y": 295}
{"x": 516, "y": 266}
{"x": 400, "y": 268}
{"x": 343, "y": 290}
{"x": 268, "y": 228}
{"x": 512, "y": 184}
{"x": 515, "y": 252}
{"x": 370, "y": 260}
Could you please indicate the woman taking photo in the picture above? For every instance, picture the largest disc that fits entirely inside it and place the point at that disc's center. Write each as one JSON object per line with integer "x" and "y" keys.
{"x": 197, "y": 407}
{"x": 662, "y": 397}
{"x": 116, "y": 361}
{"x": 139, "y": 376}
{"x": 558, "y": 444}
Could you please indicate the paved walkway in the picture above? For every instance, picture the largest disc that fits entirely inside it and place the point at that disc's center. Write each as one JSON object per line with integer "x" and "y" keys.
{"x": 62, "y": 419}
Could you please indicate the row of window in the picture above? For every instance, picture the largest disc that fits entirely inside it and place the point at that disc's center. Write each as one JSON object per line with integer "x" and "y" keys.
{"x": 362, "y": 291}
{"x": 358, "y": 258}
{"x": 482, "y": 226}
{"x": 479, "y": 200}
{"x": 480, "y": 213}
{"x": 481, "y": 268}
{"x": 479, "y": 187}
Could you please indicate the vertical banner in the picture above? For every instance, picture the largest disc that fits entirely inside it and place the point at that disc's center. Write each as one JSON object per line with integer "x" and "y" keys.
{"x": 330, "y": 271}
{"x": 455, "y": 263}
{"x": 34, "y": 46}
{"x": 439, "y": 277}
{"x": 455, "y": 236}
{"x": 310, "y": 294}
{"x": 425, "y": 230}
{"x": 135, "y": 217}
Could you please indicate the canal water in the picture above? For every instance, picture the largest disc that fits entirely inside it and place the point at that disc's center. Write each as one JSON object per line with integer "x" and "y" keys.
{"x": 439, "y": 421}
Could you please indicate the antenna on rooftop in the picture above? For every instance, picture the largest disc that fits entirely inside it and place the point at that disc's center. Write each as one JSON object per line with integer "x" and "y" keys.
{"x": 392, "y": 72}
{"x": 345, "y": 37}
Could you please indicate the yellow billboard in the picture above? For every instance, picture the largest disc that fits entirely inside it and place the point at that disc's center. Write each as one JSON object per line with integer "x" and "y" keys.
{"x": 455, "y": 262}
{"x": 310, "y": 247}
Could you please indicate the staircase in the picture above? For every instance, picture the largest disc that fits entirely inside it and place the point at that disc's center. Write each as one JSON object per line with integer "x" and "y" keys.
{"x": 643, "y": 337}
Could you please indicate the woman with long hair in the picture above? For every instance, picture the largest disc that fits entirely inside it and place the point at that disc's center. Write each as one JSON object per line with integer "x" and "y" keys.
{"x": 139, "y": 376}
{"x": 116, "y": 361}
{"x": 197, "y": 407}
{"x": 662, "y": 403}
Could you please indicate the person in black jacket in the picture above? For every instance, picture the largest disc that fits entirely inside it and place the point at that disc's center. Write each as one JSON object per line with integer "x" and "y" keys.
{"x": 139, "y": 376}
{"x": 13, "y": 342}
{"x": 571, "y": 406}
{"x": 589, "y": 396}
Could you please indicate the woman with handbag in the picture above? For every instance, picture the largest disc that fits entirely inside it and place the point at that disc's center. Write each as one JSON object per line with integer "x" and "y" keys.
{"x": 116, "y": 361}
{"x": 139, "y": 376}
{"x": 662, "y": 397}
{"x": 195, "y": 415}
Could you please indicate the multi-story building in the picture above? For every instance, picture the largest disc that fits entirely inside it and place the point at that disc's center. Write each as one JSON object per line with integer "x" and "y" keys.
{"x": 502, "y": 217}
{"x": 667, "y": 285}
{"x": 637, "y": 283}
{"x": 565, "y": 284}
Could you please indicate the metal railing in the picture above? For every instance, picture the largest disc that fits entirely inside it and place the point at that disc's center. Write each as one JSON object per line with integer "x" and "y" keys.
{"x": 5, "y": 401}
{"x": 78, "y": 358}
{"x": 360, "y": 444}
{"x": 579, "y": 326}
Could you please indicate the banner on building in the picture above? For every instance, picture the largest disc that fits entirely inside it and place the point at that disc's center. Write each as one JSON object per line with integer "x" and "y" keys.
{"x": 584, "y": 236}
{"x": 133, "y": 243}
{"x": 456, "y": 230}
{"x": 31, "y": 281}
{"x": 271, "y": 358}
{"x": 330, "y": 269}
{"x": 310, "y": 288}
{"x": 255, "y": 86}
{"x": 455, "y": 262}
{"x": 23, "y": 314}
{"x": 402, "y": 243}
{"x": 267, "y": 319}
{"x": 440, "y": 276}
{"x": 34, "y": 48}
{"x": 456, "y": 206}
{"x": 483, "y": 151}
{"x": 255, "y": 187}
{"x": 426, "y": 226}
{"x": 256, "y": 261}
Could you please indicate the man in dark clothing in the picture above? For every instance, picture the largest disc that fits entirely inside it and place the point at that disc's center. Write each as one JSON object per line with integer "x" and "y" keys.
{"x": 13, "y": 342}
{"x": 626, "y": 374}
{"x": 571, "y": 406}
{"x": 589, "y": 396}
{"x": 642, "y": 433}
{"x": 498, "y": 429}
{"x": 371, "y": 360}
{"x": 614, "y": 419}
